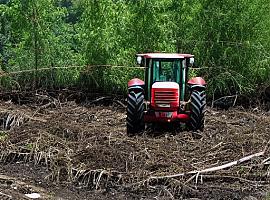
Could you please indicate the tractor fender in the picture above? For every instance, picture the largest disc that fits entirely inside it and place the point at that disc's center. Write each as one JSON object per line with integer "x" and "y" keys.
{"x": 197, "y": 82}
{"x": 136, "y": 84}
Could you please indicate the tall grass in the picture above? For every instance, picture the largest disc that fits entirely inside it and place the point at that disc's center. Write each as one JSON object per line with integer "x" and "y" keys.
{"x": 103, "y": 79}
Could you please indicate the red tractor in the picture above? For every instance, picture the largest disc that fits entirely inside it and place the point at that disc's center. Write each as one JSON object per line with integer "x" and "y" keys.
{"x": 166, "y": 95}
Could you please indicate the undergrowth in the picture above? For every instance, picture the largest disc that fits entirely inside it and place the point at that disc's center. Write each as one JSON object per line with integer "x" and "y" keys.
{"x": 221, "y": 81}
{"x": 103, "y": 79}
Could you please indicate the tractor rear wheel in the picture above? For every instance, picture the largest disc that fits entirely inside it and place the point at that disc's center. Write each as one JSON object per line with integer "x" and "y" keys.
{"x": 135, "y": 109}
{"x": 198, "y": 106}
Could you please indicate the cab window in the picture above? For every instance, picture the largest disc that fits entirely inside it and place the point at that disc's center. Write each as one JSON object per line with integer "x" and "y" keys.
{"x": 166, "y": 70}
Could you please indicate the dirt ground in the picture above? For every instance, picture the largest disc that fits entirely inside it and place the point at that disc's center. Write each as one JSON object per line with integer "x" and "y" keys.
{"x": 81, "y": 151}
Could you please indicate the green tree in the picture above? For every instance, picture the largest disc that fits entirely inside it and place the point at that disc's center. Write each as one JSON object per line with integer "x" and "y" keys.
{"x": 229, "y": 33}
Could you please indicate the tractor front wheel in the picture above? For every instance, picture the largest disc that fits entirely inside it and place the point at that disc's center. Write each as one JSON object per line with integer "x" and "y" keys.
{"x": 135, "y": 109}
{"x": 198, "y": 106}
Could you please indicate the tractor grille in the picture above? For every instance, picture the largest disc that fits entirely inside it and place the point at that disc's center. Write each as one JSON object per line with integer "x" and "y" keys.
{"x": 165, "y": 97}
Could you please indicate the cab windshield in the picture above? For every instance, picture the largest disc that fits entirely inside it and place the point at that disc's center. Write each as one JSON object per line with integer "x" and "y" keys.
{"x": 166, "y": 70}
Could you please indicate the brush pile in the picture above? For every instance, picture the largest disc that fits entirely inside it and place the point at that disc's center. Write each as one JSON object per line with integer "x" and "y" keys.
{"x": 88, "y": 146}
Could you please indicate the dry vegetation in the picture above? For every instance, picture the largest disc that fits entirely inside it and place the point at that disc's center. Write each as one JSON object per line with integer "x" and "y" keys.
{"x": 86, "y": 145}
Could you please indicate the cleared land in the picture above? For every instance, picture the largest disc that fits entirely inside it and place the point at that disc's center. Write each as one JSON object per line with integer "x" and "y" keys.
{"x": 74, "y": 151}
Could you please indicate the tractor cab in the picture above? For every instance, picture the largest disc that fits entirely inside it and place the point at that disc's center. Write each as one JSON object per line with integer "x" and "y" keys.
{"x": 163, "y": 67}
{"x": 163, "y": 96}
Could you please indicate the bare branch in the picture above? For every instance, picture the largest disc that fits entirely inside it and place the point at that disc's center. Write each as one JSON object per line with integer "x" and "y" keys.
{"x": 212, "y": 169}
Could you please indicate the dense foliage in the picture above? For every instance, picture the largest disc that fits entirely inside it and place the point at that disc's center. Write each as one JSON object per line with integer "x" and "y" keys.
{"x": 230, "y": 39}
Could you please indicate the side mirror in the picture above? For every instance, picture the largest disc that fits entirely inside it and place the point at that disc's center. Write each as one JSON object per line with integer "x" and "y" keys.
{"x": 139, "y": 60}
{"x": 191, "y": 62}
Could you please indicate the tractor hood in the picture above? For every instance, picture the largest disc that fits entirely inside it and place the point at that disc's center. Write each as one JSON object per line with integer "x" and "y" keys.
{"x": 165, "y": 96}
{"x": 165, "y": 85}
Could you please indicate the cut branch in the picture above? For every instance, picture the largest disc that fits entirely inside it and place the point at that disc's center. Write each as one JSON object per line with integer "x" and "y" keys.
{"x": 225, "y": 97}
{"x": 212, "y": 169}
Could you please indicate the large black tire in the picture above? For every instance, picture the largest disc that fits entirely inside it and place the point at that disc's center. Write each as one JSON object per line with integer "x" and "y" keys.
{"x": 135, "y": 109}
{"x": 198, "y": 107}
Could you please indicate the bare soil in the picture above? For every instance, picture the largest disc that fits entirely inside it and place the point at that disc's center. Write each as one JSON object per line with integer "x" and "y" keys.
{"x": 73, "y": 151}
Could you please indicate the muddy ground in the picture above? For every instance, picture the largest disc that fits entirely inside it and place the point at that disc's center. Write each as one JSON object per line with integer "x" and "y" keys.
{"x": 81, "y": 151}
